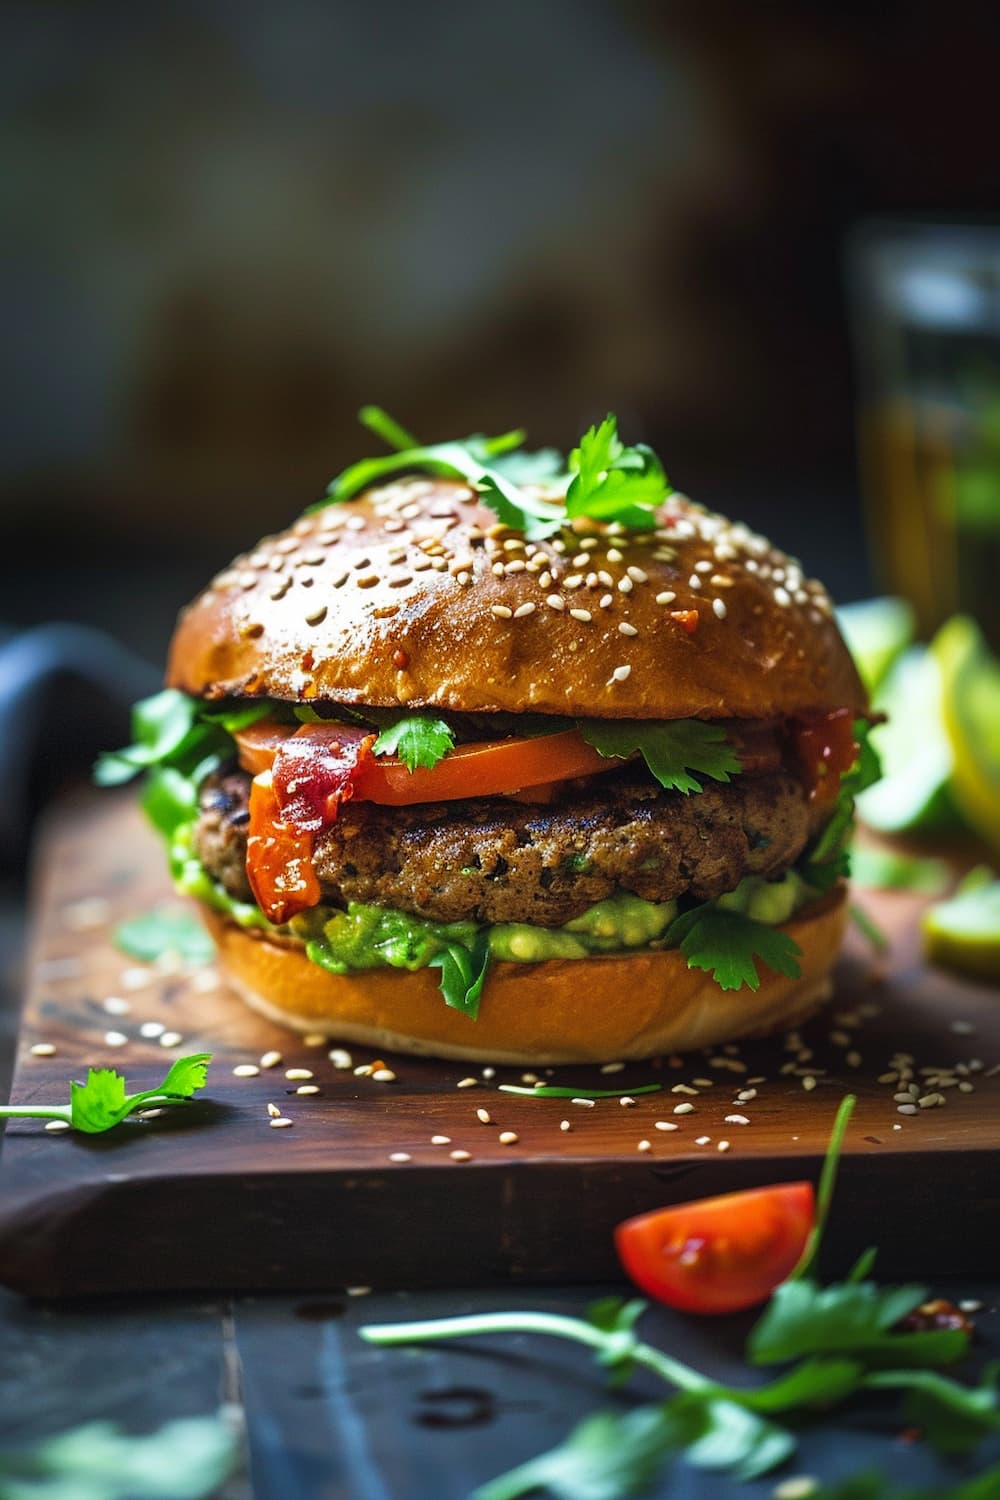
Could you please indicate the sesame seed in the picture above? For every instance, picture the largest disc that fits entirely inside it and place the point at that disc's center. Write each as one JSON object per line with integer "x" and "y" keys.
{"x": 530, "y": 1078}
{"x": 667, "y": 597}
{"x": 565, "y": 1125}
{"x": 316, "y": 616}
{"x": 581, "y": 614}
{"x": 665, "y": 1125}
{"x": 782, "y": 596}
{"x": 246, "y": 1070}
{"x": 930, "y": 1101}
{"x": 500, "y": 611}
{"x": 460, "y": 1155}
{"x": 606, "y": 601}
{"x": 625, "y": 585}
{"x": 315, "y": 1039}
{"x": 694, "y": 582}
{"x": 488, "y": 1072}
{"x": 906, "y": 1109}
{"x": 523, "y": 610}
{"x": 467, "y": 1083}
{"x": 463, "y": 578}
{"x": 965, "y": 1087}
{"x": 625, "y": 628}
{"x": 621, "y": 674}
{"x": 545, "y": 579}
{"x": 307, "y": 1088}
{"x": 43, "y": 1049}
{"x": 644, "y": 1146}
{"x": 280, "y": 1122}
{"x": 508, "y": 1138}
{"x": 483, "y": 1116}
{"x": 295, "y": 1074}
{"x": 152, "y": 1029}
{"x": 556, "y": 601}
{"x": 719, "y": 609}
{"x": 400, "y": 1156}
{"x": 683, "y": 1088}
{"x": 702, "y": 1140}
{"x": 613, "y": 1067}
{"x": 116, "y": 1006}
{"x": 115, "y": 1038}
{"x": 584, "y": 1103}
{"x": 808, "y": 1083}
{"x": 383, "y": 1075}
{"x": 273, "y": 1111}
{"x": 574, "y": 581}
{"x": 171, "y": 1039}
{"x": 799, "y": 1487}
{"x": 270, "y": 1059}
{"x": 703, "y": 1083}
{"x": 852, "y": 1059}
{"x": 637, "y": 575}
{"x": 745, "y": 1095}
{"x": 56, "y": 1127}
{"x": 440, "y": 1140}
{"x": 517, "y": 566}
{"x": 737, "y": 1120}
{"x": 683, "y": 1109}
{"x": 722, "y": 1146}
{"x": 136, "y": 979}
{"x": 963, "y": 1028}
{"x": 627, "y": 1101}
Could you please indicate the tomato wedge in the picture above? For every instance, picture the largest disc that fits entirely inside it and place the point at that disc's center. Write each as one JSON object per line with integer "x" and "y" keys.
{"x": 718, "y": 1255}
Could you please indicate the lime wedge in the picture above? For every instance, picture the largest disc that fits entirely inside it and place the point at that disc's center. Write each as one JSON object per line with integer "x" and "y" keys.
{"x": 876, "y": 631}
{"x": 970, "y": 702}
{"x": 916, "y": 753}
{"x": 964, "y": 933}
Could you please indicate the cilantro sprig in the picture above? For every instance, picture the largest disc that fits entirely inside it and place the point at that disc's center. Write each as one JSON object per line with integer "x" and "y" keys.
{"x": 417, "y": 739}
{"x": 837, "y": 1341}
{"x": 603, "y": 478}
{"x": 726, "y": 944}
{"x": 672, "y": 748}
{"x": 101, "y": 1102}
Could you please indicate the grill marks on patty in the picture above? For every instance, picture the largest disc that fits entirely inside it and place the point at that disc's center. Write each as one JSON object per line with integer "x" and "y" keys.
{"x": 498, "y": 860}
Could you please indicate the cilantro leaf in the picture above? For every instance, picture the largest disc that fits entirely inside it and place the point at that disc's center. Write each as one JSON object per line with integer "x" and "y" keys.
{"x": 726, "y": 943}
{"x": 166, "y": 930}
{"x": 185, "y": 1459}
{"x": 672, "y": 749}
{"x": 101, "y": 1102}
{"x": 417, "y": 740}
{"x": 874, "y": 1486}
{"x": 803, "y": 1318}
{"x": 605, "y": 1457}
{"x": 612, "y": 482}
{"x": 954, "y": 1418}
{"x": 463, "y": 973}
{"x": 732, "y": 1437}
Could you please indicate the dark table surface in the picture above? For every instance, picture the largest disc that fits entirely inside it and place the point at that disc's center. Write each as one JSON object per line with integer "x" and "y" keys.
{"x": 328, "y": 1417}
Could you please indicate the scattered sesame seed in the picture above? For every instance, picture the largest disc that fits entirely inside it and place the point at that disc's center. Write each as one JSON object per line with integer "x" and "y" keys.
{"x": 683, "y": 1109}
{"x": 315, "y": 1039}
{"x": 644, "y": 1146}
{"x": 694, "y": 582}
{"x": 626, "y": 1101}
{"x": 488, "y": 1072}
{"x": 530, "y": 1078}
{"x": 292, "y": 1074}
{"x": 500, "y": 611}
{"x": 852, "y": 1059}
{"x": 965, "y": 1087}
{"x": 703, "y": 1083}
{"x": 43, "y": 1049}
{"x": 636, "y": 574}
{"x": 115, "y": 1038}
{"x": 116, "y": 1006}
{"x": 583, "y": 615}
{"x": 136, "y": 979}
{"x": 246, "y": 1070}
{"x": 799, "y": 1487}
{"x": 400, "y": 1156}
{"x": 890, "y": 1077}
{"x": 614, "y": 556}
{"x": 737, "y": 1120}
{"x": 970, "y": 1305}
{"x": 667, "y": 597}
{"x": 613, "y": 1067}
{"x": 624, "y": 628}
{"x": 152, "y": 1029}
{"x": 719, "y": 609}
{"x": 722, "y": 1146}
{"x": 307, "y": 1088}
{"x": 358, "y": 1291}
{"x": 665, "y": 1125}
{"x": 745, "y": 1095}
{"x": 270, "y": 1059}
{"x": 273, "y": 1111}
{"x": 702, "y": 1140}
{"x": 508, "y": 1137}
{"x": 931, "y": 1101}
{"x": 484, "y": 1117}
{"x": 683, "y": 1088}
{"x": 341, "y": 1059}
{"x": 383, "y": 1075}
{"x": 584, "y": 1103}
{"x": 280, "y": 1122}
{"x": 171, "y": 1039}
{"x": 565, "y": 1125}
{"x": 621, "y": 674}
{"x": 467, "y": 1083}
{"x": 460, "y": 1155}
{"x": 440, "y": 1140}
{"x": 56, "y": 1127}
{"x": 808, "y": 1083}
{"x": 963, "y": 1028}
{"x": 906, "y": 1109}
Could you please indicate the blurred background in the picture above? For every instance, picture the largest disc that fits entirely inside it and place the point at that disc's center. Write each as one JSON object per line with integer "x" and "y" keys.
{"x": 231, "y": 222}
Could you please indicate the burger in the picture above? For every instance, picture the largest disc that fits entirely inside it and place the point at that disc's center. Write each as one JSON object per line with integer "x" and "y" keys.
{"x": 503, "y": 756}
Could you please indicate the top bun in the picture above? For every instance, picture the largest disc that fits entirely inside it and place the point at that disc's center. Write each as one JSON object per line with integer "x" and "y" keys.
{"x": 415, "y": 594}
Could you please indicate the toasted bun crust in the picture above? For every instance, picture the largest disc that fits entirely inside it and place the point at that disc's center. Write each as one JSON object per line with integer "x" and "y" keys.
{"x": 413, "y": 594}
{"x": 618, "y": 1006}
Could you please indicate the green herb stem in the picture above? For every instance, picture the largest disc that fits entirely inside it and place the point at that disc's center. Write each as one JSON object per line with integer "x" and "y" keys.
{"x": 560, "y": 1091}
{"x": 827, "y": 1183}
{"x": 669, "y": 1369}
{"x": 34, "y": 1112}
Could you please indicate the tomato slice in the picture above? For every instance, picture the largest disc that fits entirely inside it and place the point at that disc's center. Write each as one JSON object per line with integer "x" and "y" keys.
{"x": 279, "y": 857}
{"x": 825, "y": 747}
{"x": 718, "y": 1255}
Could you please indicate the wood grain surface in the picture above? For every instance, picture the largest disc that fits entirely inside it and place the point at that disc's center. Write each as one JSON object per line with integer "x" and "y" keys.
{"x": 213, "y": 1197}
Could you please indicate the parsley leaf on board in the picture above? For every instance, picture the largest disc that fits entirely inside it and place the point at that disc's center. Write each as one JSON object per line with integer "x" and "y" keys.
{"x": 605, "y": 1457}
{"x": 726, "y": 944}
{"x": 953, "y": 1418}
{"x": 166, "y": 930}
{"x": 186, "y": 1459}
{"x": 101, "y": 1102}
{"x": 804, "y": 1318}
{"x": 672, "y": 749}
{"x": 417, "y": 740}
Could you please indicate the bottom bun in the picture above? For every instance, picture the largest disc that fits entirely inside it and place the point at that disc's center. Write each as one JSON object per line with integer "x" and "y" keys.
{"x": 611, "y": 1007}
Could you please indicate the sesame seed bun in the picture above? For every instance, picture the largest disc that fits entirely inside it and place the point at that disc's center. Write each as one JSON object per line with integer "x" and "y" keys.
{"x": 413, "y": 594}
{"x": 617, "y": 1006}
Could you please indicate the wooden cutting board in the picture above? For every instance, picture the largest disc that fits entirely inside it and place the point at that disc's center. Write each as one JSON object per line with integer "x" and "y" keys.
{"x": 213, "y": 1197}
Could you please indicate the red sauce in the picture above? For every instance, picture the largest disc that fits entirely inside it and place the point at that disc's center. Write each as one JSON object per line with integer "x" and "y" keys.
{"x": 279, "y": 857}
{"x": 825, "y": 747}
